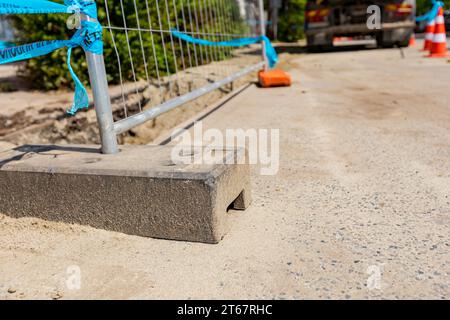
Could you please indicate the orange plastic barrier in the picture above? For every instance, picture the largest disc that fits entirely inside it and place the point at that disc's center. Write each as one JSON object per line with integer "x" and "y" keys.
{"x": 274, "y": 78}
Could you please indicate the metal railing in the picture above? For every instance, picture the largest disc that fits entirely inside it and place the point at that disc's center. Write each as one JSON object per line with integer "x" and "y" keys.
{"x": 6, "y": 32}
{"x": 143, "y": 55}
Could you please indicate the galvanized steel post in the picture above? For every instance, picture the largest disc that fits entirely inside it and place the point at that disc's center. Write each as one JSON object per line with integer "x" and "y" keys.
{"x": 102, "y": 100}
{"x": 262, "y": 22}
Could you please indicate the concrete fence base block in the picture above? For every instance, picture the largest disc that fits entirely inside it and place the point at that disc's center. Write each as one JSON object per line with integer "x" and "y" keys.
{"x": 139, "y": 191}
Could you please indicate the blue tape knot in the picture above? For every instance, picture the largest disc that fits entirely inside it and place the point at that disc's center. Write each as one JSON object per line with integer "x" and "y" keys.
{"x": 432, "y": 14}
{"x": 87, "y": 7}
{"x": 89, "y": 37}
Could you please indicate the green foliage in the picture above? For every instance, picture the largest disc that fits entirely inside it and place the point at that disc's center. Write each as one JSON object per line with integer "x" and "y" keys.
{"x": 291, "y": 22}
{"x": 424, "y": 5}
{"x": 291, "y": 17}
{"x": 51, "y": 72}
{"x": 7, "y": 87}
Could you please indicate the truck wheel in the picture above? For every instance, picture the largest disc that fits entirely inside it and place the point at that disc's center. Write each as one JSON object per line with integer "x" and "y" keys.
{"x": 383, "y": 44}
{"x": 393, "y": 41}
{"x": 314, "y": 47}
{"x": 387, "y": 44}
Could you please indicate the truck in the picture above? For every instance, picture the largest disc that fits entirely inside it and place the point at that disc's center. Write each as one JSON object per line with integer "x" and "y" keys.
{"x": 389, "y": 22}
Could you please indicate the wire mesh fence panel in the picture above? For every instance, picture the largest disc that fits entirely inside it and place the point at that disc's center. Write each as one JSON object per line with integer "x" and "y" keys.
{"x": 151, "y": 69}
{"x": 6, "y": 31}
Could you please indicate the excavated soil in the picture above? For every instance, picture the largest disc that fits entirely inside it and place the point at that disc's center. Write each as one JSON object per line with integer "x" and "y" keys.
{"x": 28, "y": 117}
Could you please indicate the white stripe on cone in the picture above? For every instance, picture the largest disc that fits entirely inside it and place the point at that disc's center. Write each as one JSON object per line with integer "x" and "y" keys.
{"x": 440, "y": 38}
{"x": 439, "y": 20}
{"x": 429, "y": 36}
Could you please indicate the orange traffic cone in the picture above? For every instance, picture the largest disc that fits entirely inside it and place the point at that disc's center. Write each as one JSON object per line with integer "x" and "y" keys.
{"x": 274, "y": 78}
{"x": 439, "y": 46}
{"x": 429, "y": 33}
{"x": 412, "y": 40}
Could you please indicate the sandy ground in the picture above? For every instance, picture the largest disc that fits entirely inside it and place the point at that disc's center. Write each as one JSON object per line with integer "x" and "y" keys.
{"x": 359, "y": 209}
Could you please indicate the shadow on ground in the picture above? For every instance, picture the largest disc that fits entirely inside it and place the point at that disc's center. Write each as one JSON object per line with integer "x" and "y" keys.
{"x": 303, "y": 49}
{"x": 300, "y": 49}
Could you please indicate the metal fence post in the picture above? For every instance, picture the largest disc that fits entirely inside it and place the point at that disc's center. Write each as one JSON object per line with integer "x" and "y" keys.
{"x": 262, "y": 22}
{"x": 102, "y": 100}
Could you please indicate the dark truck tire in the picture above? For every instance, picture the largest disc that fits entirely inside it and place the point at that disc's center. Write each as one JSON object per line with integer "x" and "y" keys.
{"x": 311, "y": 46}
{"x": 383, "y": 43}
{"x": 314, "y": 48}
{"x": 386, "y": 44}
{"x": 402, "y": 43}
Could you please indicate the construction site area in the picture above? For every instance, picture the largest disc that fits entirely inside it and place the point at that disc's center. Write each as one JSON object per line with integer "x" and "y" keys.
{"x": 343, "y": 191}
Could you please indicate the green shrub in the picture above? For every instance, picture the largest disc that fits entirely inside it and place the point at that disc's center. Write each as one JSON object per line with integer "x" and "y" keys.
{"x": 51, "y": 72}
{"x": 424, "y": 5}
{"x": 292, "y": 19}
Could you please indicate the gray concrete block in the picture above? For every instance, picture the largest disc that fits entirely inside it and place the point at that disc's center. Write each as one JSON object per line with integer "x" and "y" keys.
{"x": 139, "y": 191}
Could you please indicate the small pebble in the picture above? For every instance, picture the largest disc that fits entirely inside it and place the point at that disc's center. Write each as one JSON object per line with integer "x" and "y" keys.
{"x": 57, "y": 296}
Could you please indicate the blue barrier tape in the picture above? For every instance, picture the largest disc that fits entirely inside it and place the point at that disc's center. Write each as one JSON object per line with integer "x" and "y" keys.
{"x": 430, "y": 15}
{"x": 6, "y": 44}
{"x": 87, "y": 7}
{"x": 89, "y": 37}
{"x": 271, "y": 54}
